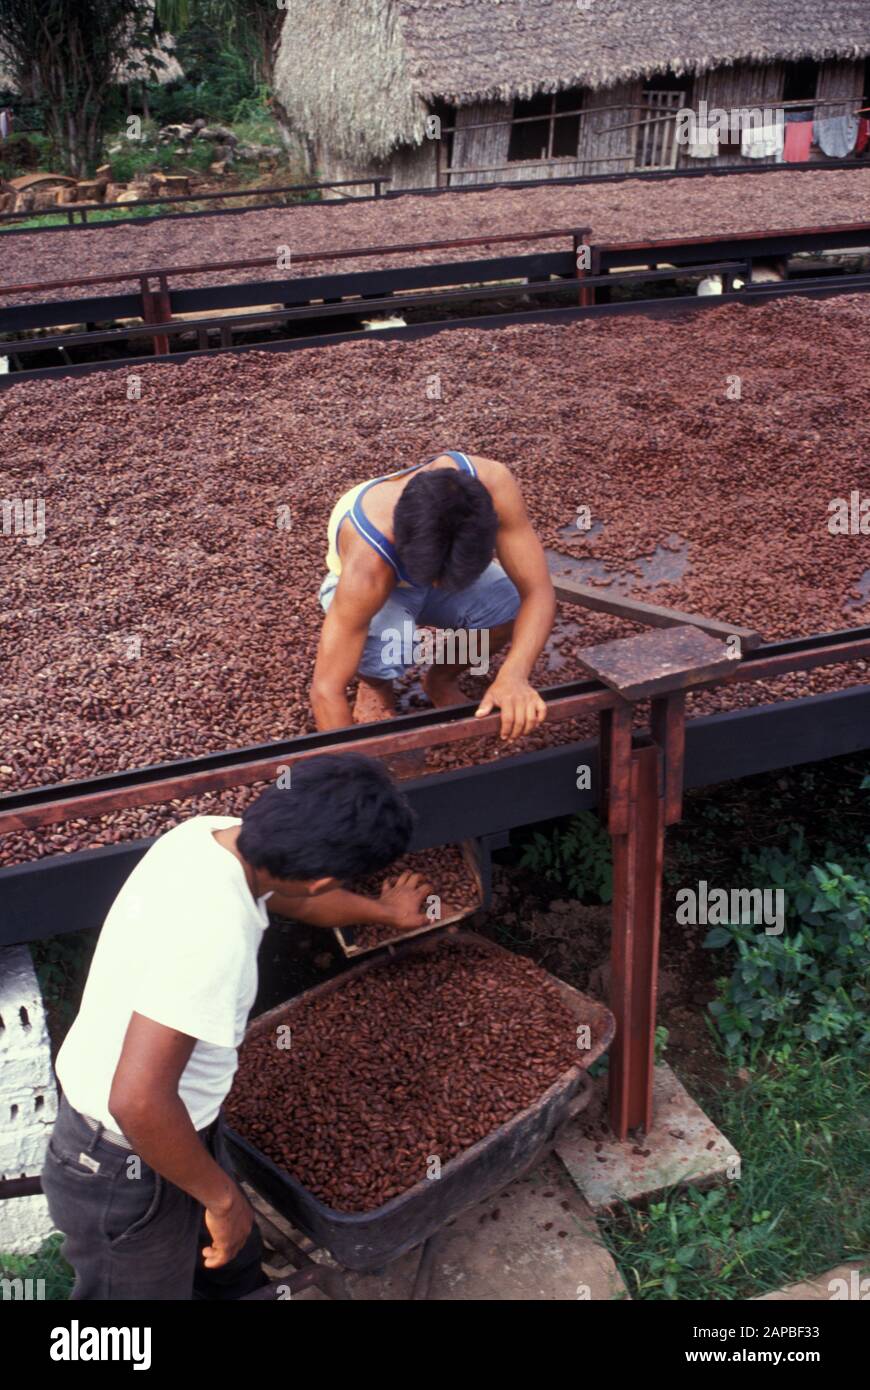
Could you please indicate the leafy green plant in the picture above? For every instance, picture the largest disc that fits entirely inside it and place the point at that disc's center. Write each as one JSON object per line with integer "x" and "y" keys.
{"x": 135, "y": 157}
{"x": 48, "y": 1264}
{"x": 577, "y": 858}
{"x": 694, "y": 1237}
{"x": 811, "y": 981}
{"x": 61, "y": 964}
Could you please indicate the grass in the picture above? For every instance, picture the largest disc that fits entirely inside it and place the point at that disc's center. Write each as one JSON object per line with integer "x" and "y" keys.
{"x": 799, "y": 1205}
{"x": 110, "y": 214}
{"x": 48, "y": 1264}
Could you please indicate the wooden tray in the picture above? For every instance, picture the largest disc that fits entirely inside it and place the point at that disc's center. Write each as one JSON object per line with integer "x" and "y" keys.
{"x": 471, "y": 854}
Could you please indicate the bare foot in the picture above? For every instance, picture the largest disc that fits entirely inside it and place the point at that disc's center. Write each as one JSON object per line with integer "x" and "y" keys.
{"x": 374, "y": 701}
{"x": 442, "y": 689}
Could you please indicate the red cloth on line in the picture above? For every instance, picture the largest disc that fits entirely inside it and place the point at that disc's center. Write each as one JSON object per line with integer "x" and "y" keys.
{"x": 798, "y": 138}
{"x": 863, "y": 134}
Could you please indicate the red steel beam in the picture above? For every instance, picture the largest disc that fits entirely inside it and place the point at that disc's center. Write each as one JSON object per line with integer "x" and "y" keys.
{"x": 762, "y": 668}
{"x": 243, "y": 774}
{"x": 302, "y": 258}
{"x": 668, "y": 728}
{"x": 664, "y": 243}
{"x": 638, "y": 856}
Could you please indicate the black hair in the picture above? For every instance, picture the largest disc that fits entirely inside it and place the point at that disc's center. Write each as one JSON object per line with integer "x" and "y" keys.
{"x": 444, "y": 527}
{"x": 340, "y": 816}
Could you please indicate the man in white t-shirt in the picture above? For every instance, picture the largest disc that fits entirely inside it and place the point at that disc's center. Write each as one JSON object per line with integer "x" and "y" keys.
{"x": 136, "y": 1174}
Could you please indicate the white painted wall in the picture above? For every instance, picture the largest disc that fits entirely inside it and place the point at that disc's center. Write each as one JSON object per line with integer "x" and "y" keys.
{"x": 28, "y": 1099}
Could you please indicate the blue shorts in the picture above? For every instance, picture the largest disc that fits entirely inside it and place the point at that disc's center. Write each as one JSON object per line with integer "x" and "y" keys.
{"x": 491, "y": 600}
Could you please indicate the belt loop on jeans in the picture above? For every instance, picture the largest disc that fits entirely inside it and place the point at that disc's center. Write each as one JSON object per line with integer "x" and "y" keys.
{"x": 109, "y": 1135}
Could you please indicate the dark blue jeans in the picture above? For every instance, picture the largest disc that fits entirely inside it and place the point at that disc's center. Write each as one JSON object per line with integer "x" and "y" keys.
{"x": 128, "y": 1232}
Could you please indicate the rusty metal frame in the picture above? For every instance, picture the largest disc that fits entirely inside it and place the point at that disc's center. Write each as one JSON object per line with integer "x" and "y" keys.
{"x": 304, "y": 257}
{"x": 158, "y": 322}
{"x": 641, "y": 781}
{"x": 51, "y": 805}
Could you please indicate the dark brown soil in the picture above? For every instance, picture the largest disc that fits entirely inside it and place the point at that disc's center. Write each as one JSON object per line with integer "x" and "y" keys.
{"x": 630, "y": 211}
{"x": 163, "y": 517}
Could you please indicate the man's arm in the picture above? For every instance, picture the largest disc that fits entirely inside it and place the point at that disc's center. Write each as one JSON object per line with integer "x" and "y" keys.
{"x": 147, "y": 1108}
{"x": 362, "y": 590}
{"x": 400, "y": 905}
{"x": 523, "y": 559}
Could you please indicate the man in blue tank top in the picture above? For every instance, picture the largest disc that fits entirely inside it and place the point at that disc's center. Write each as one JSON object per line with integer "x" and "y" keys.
{"x": 444, "y": 545}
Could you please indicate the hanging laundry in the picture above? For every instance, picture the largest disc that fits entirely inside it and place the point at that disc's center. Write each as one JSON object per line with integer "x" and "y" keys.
{"x": 762, "y": 142}
{"x": 836, "y": 135}
{"x": 705, "y": 147}
{"x": 798, "y": 138}
{"x": 5, "y": 124}
{"x": 863, "y": 134}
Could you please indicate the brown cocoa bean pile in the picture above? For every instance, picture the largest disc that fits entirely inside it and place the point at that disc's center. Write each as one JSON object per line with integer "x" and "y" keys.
{"x": 631, "y": 211}
{"x": 167, "y": 613}
{"x": 411, "y": 1060}
{"x": 444, "y": 868}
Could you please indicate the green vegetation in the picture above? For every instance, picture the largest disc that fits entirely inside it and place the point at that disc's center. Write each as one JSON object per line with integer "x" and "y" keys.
{"x": 799, "y": 1204}
{"x": 61, "y": 964}
{"x": 811, "y": 981}
{"x": 110, "y": 214}
{"x": 575, "y": 857}
{"x": 67, "y": 116}
{"x": 69, "y": 55}
{"x": 790, "y": 1022}
{"x": 794, "y": 1011}
{"x": 22, "y": 153}
{"x": 47, "y": 1264}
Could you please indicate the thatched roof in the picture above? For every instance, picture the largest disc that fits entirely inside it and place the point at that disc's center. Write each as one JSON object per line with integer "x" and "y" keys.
{"x": 357, "y": 73}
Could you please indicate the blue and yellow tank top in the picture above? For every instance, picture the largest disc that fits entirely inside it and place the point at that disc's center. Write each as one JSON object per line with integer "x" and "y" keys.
{"x": 349, "y": 506}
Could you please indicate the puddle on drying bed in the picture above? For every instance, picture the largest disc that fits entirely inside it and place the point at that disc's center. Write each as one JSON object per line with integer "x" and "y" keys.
{"x": 863, "y": 589}
{"x": 668, "y": 563}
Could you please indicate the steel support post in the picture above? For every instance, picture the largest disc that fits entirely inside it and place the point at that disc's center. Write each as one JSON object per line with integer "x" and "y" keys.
{"x": 638, "y": 853}
{"x": 156, "y": 309}
{"x": 587, "y": 294}
{"x": 641, "y": 793}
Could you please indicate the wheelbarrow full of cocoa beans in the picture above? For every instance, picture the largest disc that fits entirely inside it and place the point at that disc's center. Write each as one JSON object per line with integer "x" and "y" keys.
{"x": 375, "y": 1108}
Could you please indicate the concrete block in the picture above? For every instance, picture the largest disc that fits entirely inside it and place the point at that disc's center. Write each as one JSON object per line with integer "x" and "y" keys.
{"x": 683, "y": 1146}
{"x": 848, "y": 1282}
{"x": 28, "y": 1098}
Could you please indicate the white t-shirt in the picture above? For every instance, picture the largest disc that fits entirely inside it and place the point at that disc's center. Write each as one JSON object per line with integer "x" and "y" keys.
{"x": 179, "y": 946}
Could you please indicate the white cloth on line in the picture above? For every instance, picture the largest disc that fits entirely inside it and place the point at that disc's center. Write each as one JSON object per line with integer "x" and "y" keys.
{"x": 836, "y": 135}
{"x": 705, "y": 148}
{"x": 762, "y": 142}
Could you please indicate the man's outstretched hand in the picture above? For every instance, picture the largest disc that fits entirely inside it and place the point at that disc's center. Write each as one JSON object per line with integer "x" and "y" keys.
{"x": 403, "y": 898}
{"x": 522, "y": 708}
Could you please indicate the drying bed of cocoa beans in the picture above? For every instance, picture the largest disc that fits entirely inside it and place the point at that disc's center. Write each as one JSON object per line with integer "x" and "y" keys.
{"x": 171, "y": 609}
{"x": 634, "y": 210}
{"x": 408, "y": 1061}
{"x": 449, "y": 877}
